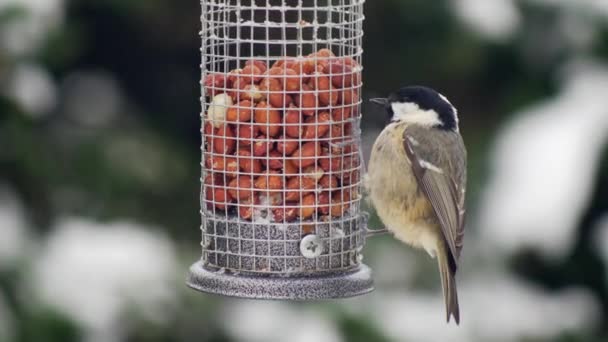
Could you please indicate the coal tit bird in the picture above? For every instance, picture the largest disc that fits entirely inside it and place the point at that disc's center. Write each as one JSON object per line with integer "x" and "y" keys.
{"x": 417, "y": 179}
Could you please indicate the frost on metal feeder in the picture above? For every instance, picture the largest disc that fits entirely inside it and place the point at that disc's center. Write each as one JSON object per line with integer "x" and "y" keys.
{"x": 281, "y": 170}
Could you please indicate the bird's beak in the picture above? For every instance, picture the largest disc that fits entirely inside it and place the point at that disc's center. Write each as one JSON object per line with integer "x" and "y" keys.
{"x": 380, "y": 101}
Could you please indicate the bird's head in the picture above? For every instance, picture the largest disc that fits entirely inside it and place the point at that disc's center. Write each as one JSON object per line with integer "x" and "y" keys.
{"x": 422, "y": 106}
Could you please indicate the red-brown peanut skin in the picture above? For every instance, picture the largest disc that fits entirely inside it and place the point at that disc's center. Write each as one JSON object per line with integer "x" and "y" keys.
{"x": 209, "y": 132}
{"x": 234, "y": 75}
{"x": 340, "y": 203}
{"x": 307, "y": 100}
{"x": 350, "y": 62}
{"x": 236, "y": 92}
{"x": 308, "y": 206}
{"x": 350, "y": 174}
{"x": 324, "y": 53}
{"x": 260, "y": 64}
{"x": 298, "y": 187}
{"x": 290, "y": 169}
{"x": 285, "y": 62}
{"x": 270, "y": 181}
{"x": 290, "y": 80}
{"x": 224, "y": 141}
{"x": 342, "y": 114}
{"x": 225, "y": 165}
{"x": 319, "y": 81}
{"x": 286, "y": 145}
{"x": 246, "y": 207}
{"x": 288, "y": 214}
{"x": 322, "y": 57}
{"x": 342, "y": 76}
{"x": 268, "y": 119}
{"x": 313, "y": 172}
{"x": 251, "y": 74}
{"x": 304, "y": 67}
{"x": 247, "y": 162}
{"x": 215, "y": 84}
{"x": 341, "y": 131}
{"x": 329, "y": 182}
{"x": 242, "y": 112}
{"x": 213, "y": 180}
{"x": 307, "y": 154}
{"x": 316, "y": 127}
{"x": 349, "y": 96}
{"x": 293, "y": 120}
{"x": 246, "y": 133}
{"x": 274, "y": 160}
{"x": 277, "y": 97}
{"x": 330, "y": 163}
{"x": 292, "y": 87}
{"x": 262, "y": 145}
{"x": 241, "y": 188}
{"x": 323, "y": 203}
{"x": 217, "y": 196}
{"x": 350, "y": 177}
{"x": 328, "y": 96}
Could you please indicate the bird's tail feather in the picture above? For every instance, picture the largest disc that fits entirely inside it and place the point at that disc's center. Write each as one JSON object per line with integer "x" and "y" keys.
{"x": 448, "y": 283}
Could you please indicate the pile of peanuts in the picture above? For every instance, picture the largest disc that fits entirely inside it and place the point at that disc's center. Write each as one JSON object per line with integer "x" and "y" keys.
{"x": 281, "y": 138}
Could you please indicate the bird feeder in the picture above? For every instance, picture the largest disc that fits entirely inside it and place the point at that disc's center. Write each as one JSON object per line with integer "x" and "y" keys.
{"x": 281, "y": 150}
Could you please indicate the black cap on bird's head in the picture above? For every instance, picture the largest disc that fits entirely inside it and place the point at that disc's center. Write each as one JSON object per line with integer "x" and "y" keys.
{"x": 420, "y": 105}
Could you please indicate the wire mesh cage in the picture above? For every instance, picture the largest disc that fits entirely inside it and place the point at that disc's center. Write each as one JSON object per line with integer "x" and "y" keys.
{"x": 281, "y": 161}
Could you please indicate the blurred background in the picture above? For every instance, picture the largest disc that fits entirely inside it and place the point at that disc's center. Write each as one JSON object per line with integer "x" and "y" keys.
{"x": 99, "y": 175}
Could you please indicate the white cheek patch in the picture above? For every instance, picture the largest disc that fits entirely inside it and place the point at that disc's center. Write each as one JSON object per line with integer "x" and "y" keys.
{"x": 411, "y": 113}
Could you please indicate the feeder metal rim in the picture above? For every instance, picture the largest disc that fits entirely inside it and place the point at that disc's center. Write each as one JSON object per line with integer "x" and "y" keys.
{"x": 299, "y": 288}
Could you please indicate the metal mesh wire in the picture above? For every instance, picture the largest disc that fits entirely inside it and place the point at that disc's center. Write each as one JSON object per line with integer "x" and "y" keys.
{"x": 281, "y": 84}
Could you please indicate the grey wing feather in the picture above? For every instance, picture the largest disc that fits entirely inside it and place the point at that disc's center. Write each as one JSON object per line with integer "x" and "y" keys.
{"x": 444, "y": 186}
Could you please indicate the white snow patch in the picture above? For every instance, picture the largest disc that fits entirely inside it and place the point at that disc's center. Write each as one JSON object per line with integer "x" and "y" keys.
{"x": 275, "y": 321}
{"x": 544, "y": 167}
{"x": 494, "y": 19}
{"x": 33, "y": 88}
{"x": 492, "y": 309}
{"x": 95, "y": 272}
{"x": 499, "y": 19}
{"x": 28, "y": 33}
{"x": 597, "y": 7}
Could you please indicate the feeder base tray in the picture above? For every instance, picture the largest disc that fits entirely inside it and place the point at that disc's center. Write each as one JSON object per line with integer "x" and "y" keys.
{"x": 342, "y": 285}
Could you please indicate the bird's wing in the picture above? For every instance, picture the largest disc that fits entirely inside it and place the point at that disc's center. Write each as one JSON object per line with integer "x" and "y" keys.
{"x": 442, "y": 179}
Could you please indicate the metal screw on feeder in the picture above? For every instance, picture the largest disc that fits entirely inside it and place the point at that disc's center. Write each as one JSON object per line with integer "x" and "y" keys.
{"x": 281, "y": 169}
